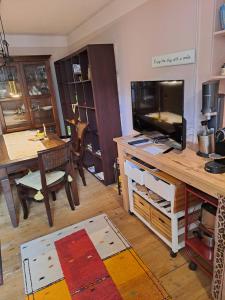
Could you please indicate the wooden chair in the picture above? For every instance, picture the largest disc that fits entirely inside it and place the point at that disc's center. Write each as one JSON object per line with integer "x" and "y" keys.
{"x": 78, "y": 138}
{"x": 55, "y": 171}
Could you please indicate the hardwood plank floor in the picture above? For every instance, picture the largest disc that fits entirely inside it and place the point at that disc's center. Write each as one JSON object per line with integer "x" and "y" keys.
{"x": 178, "y": 280}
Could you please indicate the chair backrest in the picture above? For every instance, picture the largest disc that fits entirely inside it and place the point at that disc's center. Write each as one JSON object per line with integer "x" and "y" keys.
{"x": 57, "y": 158}
{"x": 54, "y": 158}
{"x": 78, "y": 137}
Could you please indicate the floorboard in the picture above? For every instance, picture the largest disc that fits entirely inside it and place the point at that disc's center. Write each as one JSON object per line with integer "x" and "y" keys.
{"x": 95, "y": 198}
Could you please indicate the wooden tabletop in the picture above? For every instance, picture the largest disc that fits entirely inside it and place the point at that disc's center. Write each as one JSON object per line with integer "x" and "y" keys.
{"x": 184, "y": 165}
{"x": 52, "y": 141}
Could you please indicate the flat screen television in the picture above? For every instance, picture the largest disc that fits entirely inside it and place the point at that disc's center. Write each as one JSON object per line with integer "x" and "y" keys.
{"x": 158, "y": 107}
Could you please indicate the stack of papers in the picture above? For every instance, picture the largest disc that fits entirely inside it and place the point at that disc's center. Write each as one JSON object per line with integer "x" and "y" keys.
{"x": 156, "y": 148}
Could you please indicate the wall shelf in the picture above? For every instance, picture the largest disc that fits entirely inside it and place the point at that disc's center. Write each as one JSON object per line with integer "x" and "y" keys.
{"x": 219, "y": 33}
{"x": 218, "y": 77}
{"x": 96, "y": 97}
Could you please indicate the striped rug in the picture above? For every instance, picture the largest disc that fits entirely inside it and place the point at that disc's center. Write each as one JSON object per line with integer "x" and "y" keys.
{"x": 90, "y": 260}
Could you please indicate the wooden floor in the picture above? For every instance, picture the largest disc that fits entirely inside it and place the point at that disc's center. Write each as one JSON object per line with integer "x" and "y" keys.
{"x": 178, "y": 280}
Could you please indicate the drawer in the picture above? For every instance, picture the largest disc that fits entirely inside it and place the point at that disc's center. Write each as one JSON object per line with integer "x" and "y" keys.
{"x": 161, "y": 223}
{"x": 134, "y": 172}
{"x": 160, "y": 187}
{"x": 142, "y": 207}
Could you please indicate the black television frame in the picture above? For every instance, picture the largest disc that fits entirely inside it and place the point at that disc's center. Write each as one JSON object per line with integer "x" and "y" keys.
{"x": 183, "y": 137}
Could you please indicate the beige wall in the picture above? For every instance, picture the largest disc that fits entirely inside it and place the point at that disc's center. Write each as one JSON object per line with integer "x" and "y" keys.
{"x": 154, "y": 28}
{"x": 160, "y": 27}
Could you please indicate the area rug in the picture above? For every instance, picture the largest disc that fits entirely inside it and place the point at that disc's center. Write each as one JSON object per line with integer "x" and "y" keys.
{"x": 90, "y": 260}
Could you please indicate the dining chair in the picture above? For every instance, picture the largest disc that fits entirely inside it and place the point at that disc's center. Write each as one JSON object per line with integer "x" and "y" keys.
{"x": 78, "y": 142}
{"x": 55, "y": 171}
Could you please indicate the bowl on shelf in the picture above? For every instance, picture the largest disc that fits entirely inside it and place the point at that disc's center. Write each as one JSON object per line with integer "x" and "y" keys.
{"x": 3, "y": 93}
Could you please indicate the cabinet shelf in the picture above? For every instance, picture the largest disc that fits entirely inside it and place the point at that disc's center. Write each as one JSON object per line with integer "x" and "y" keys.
{"x": 75, "y": 82}
{"x": 201, "y": 249}
{"x": 197, "y": 251}
{"x": 87, "y": 107}
{"x": 218, "y": 77}
{"x": 152, "y": 202}
{"x": 11, "y": 99}
{"x": 219, "y": 33}
{"x": 93, "y": 153}
{"x": 39, "y": 96}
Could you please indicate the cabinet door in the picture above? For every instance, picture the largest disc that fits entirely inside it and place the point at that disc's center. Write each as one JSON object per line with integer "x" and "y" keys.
{"x": 14, "y": 112}
{"x": 36, "y": 79}
{"x": 41, "y": 111}
{"x": 38, "y": 90}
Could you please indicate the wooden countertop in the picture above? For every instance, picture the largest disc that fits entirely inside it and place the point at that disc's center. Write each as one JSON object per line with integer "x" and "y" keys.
{"x": 184, "y": 165}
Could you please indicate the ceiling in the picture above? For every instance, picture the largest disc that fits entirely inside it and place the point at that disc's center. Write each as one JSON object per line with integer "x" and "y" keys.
{"x": 47, "y": 17}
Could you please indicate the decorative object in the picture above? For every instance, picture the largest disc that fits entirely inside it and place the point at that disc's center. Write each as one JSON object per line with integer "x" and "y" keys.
{"x": 44, "y": 130}
{"x": 4, "y": 45}
{"x": 76, "y": 69}
{"x": 173, "y": 59}
{"x": 223, "y": 70}
{"x": 89, "y": 72}
{"x": 103, "y": 266}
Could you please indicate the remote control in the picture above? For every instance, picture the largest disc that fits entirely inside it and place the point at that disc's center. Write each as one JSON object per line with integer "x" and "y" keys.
{"x": 138, "y": 142}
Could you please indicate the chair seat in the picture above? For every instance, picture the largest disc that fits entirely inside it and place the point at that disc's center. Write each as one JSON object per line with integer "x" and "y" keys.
{"x": 33, "y": 179}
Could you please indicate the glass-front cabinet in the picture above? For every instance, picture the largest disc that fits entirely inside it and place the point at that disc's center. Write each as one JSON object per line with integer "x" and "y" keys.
{"x": 14, "y": 110}
{"x": 26, "y": 96}
{"x": 36, "y": 79}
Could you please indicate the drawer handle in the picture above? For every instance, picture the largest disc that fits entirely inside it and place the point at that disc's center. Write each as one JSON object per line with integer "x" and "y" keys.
{"x": 141, "y": 203}
{"x": 161, "y": 220}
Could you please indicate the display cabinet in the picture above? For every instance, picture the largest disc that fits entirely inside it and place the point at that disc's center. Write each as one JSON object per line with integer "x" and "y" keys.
{"x": 87, "y": 84}
{"x": 26, "y": 95}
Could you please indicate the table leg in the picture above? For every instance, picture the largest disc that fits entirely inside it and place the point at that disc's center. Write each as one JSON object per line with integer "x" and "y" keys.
{"x": 7, "y": 192}
{"x": 1, "y": 271}
{"x": 74, "y": 187}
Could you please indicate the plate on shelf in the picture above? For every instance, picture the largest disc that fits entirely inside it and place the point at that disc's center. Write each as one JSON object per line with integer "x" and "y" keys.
{"x": 100, "y": 175}
{"x": 91, "y": 169}
{"x": 9, "y": 112}
{"x": 98, "y": 152}
{"x": 48, "y": 107}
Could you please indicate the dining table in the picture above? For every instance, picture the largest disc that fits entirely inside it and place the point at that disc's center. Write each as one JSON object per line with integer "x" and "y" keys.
{"x": 18, "y": 153}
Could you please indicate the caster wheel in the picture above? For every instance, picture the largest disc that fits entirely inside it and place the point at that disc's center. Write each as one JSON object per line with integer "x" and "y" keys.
{"x": 192, "y": 266}
{"x": 173, "y": 254}
{"x": 131, "y": 213}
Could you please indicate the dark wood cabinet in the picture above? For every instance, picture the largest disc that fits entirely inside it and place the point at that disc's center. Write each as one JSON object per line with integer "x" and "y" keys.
{"x": 26, "y": 95}
{"x": 88, "y": 85}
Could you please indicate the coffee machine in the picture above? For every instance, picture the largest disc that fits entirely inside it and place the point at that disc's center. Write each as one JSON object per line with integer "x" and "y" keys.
{"x": 212, "y": 137}
{"x": 212, "y": 104}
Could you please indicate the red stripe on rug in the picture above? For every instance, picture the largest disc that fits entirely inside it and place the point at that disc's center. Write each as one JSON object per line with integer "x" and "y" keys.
{"x": 83, "y": 269}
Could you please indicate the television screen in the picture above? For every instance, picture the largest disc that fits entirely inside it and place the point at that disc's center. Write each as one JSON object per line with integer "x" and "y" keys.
{"x": 157, "y": 106}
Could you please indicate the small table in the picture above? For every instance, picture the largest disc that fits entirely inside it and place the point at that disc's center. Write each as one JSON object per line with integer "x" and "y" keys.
{"x": 9, "y": 166}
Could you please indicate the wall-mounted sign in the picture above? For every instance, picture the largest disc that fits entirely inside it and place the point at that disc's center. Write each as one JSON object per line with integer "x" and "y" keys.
{"x": 173, "y": 59}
